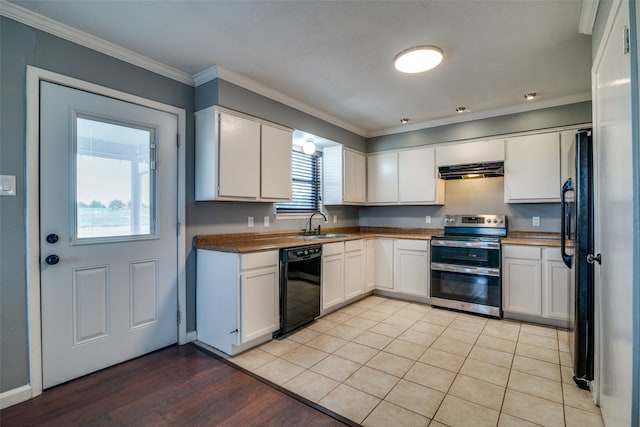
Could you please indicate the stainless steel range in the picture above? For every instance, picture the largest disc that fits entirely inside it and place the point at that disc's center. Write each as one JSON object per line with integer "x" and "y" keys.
{"x": 466, "y": 264}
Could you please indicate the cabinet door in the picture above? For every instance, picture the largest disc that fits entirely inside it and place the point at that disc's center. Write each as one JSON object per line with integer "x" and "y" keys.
{"x": 353, "y": 274}
{"x": 370, "y": 269}
{"x": 411, "y": 271}
{"x": 384, "y": 264}
{"x": 382, "y": 178}
{"x": 260, "y": 303}
{"x": 332, "y": 281}
{"x": 275, "y": 183}
{"x": 355, "y": 177}
{"x": 417, "y": 176}
{"x": 557, "y": 291}
{"x": 239, "y": 157}
{"x": 532, "y": 169}
{"x": 522, "y": 286}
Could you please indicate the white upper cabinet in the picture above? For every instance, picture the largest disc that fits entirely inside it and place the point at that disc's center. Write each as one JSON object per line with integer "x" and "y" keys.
{"x": 404, "y": 177}
{"x": 344, "y": 176}
{"x": 470, "y": 152}
{"x": 241, "y": 158}
{"x": 382, "y": 178}
{"x": 532, "y": 169}
{"x": 275, "y": 182}
{"x": 418, "y": 181}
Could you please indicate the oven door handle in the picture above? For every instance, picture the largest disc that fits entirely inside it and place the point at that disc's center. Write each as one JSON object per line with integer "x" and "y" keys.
{"x": 462, "y": 244}
{"x": 466, "y": 270}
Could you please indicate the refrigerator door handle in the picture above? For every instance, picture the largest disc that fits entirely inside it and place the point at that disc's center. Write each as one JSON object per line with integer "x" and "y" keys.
{"x": 565, "y": 223}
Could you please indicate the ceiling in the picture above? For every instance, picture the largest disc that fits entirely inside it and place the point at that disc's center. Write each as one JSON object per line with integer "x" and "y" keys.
{"x": 334, "y": 59}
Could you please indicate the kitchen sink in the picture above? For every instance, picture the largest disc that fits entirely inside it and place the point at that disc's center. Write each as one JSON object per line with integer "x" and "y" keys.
{"x": 323, "y": 236}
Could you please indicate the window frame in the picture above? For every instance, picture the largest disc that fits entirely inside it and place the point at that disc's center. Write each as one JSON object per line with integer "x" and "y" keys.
{"x": 292, "y": 213}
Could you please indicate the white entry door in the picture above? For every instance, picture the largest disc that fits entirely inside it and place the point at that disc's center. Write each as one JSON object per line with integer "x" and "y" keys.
{"x": 614, "y": 221}
{"x": 108, "y": 244}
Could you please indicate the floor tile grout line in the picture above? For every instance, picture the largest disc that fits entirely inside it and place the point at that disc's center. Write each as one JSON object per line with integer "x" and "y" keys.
{"x": 410, "y": 322}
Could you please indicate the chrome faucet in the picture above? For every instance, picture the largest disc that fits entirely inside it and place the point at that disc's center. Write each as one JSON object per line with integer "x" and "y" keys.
{"x": 317, "y": 230}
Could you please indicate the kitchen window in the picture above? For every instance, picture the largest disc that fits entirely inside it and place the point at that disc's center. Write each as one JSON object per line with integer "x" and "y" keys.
{"x": 306, "y": 188}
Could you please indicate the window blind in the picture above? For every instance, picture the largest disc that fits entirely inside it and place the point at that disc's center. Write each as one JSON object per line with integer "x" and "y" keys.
{"x": 306, "y": 187}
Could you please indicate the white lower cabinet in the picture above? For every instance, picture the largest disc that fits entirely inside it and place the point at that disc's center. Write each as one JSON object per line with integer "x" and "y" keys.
{"x": 411, "y": 267}
{"x": 537, "y": 284}
{"x": 238, "y": 299}
{"x": 332, "y": 290}
{"x": 354, "y": 261}
{"x": 557, "y": 287}
{"x": 383, "y": 264}
{"x": 343, "y": 273}
{"x": 370, "y": 265}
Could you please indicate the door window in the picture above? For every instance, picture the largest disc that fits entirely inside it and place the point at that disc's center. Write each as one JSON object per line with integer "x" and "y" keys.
{"x": 114, "y": 181}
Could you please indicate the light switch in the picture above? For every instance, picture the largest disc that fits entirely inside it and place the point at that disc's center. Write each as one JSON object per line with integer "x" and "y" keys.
{"x": 335, "y": 219}
{"x": 536, "y": 221}
{"x": 250, "y": 222}
{"x": 7, "y": 185}
{"x": 266, "y": 221}
{"x": 427, "y": 219}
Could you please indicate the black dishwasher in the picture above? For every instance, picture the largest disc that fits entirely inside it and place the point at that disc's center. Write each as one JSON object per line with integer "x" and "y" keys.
{"x": 299, "y": 287}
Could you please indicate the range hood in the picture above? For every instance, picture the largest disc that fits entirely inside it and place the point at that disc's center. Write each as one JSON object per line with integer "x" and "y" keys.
{"x": 472, "y": 170}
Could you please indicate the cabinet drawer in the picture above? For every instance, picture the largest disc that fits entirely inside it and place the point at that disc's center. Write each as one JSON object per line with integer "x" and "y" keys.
{"x": 332, "y": 248}
{"x": 552, "y": 254}
{"x": 522, "y": 252}
{"x": 258, "y": 259}
{"x": 412, "y": 245}
{"x": 353, "y": 245}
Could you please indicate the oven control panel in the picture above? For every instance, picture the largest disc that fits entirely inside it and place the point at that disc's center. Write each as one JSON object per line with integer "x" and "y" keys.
{"x": 479, "y": 221}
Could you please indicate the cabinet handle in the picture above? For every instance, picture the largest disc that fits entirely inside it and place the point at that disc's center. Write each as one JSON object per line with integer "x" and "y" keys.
{"x": 235, "y": 331}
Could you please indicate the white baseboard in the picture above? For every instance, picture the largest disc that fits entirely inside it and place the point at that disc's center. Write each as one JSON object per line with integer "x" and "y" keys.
{"x": 16, "y": 395}
{"x": 191, "y": 336}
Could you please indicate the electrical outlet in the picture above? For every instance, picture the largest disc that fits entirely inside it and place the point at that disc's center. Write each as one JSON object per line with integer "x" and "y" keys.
{"x": 536, "y": 221}
{"x": 335, "y": 219}
{"x": 427, "y": 219}
{"x": 250, "y": 222}
{"x": 266, "y": 221}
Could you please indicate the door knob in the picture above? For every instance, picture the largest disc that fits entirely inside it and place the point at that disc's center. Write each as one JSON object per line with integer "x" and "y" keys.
{"x": 52, "y": 238}
{"x": 52, "y": 259}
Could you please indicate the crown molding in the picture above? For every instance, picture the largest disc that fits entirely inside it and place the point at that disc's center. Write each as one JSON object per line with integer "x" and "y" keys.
{"x": 467, "y": 117}
{"x": 216, "y": 71}
{"x": 588, "y": 16}
{"x": 74, "y": 35}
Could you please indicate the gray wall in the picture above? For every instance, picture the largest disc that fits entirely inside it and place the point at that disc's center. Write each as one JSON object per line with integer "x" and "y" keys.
{"x": 483, "y": 195}
{"x": 473, "y": 196}
{"x": 21, "y": 46}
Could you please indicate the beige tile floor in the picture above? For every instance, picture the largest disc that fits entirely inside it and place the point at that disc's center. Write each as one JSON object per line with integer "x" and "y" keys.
{"x": 382, "y": 362}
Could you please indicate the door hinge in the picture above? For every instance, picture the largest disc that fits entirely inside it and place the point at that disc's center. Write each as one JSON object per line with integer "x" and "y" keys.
{"x": 178, "y": 140}
{"x": 178, "y": 229}
{"x": 178, "y": 316}
{"x": 626, "y": 41}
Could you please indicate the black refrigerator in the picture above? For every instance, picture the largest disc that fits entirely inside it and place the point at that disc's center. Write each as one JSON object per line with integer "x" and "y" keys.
{"x": 577, "y": 249}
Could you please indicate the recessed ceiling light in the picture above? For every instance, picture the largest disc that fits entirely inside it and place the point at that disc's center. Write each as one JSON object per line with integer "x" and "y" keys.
{"x": 529, "y": 96}
{"x": 405, "y": 120}
{"x": 461, "y": 109}
{"x": 418, "y": 59}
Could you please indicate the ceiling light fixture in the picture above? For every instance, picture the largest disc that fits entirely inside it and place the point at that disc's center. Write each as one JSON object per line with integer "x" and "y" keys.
{"x": 309, "y": 147}
{"x": 461, "y": 109}
{"x": 529, "y": 96}
{"x": 405, "y": 120}
{"x": 418, "y": 59}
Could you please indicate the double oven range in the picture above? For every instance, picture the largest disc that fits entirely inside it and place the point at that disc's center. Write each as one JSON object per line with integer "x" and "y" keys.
{"x": 466, "y": 264}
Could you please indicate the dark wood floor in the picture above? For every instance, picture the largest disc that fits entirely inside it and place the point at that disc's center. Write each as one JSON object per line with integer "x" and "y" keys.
{"x": 179, "y": 385}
